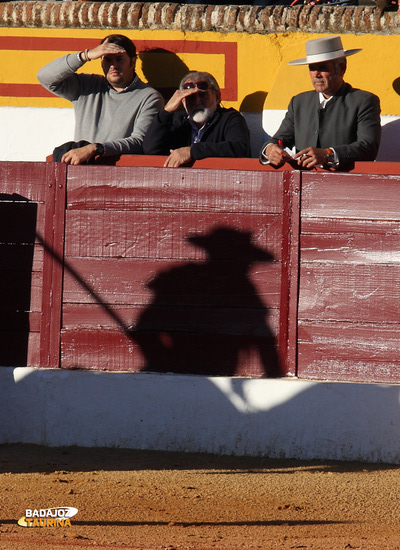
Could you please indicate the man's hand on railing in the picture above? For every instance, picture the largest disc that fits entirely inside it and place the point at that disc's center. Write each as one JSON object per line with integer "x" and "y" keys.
{"x": 178, "y": 157}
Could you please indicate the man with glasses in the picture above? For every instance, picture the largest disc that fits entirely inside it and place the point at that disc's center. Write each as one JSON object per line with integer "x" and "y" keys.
{"x": 112, "y": 112}
{"x": 201, "y": 129}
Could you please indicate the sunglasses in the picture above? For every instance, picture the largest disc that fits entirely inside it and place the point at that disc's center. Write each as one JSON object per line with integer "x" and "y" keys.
{"x": 202, "y": 85}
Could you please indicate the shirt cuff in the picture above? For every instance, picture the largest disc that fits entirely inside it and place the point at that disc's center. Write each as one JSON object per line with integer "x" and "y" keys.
{"x": 335, "y": 162}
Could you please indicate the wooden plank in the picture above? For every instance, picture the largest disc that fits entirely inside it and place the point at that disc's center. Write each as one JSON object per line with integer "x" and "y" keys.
{"x": 206, "y": 354}
{"x": 77, "y": 316}
{"x": 18, "y": 348}
{"x": 354, "y": 196}
{"x": 289, "y": 272}
{"x": 24, "y": 179}
{"x": 52, "y": 241}
{"x": 364, "y": 242}
{"x": 21, "y": 257}
{"x": 34, "y": 349}
{"x": 173, "y": 318}
{"x": 349, "y": 351}
{"x": 170, "y": 189}
{"x": 131, "y": 281}
{"x": 132, "y": 234}
{"x": 337, "y": 226}
{"x": 350, "y": 292}
{"x": 17, "y": 321}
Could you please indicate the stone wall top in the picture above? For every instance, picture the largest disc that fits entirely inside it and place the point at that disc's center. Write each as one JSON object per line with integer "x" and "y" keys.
{"x": 199, "y": 18}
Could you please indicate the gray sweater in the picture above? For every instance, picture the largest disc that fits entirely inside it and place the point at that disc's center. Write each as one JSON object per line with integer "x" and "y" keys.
{"x": 117, "y": 120}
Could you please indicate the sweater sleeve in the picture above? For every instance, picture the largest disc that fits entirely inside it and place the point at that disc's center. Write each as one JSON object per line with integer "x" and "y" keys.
{"x": 59, "y": 76}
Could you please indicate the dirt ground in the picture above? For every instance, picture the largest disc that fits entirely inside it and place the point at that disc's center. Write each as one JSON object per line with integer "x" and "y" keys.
{"x": 155, "y": 500}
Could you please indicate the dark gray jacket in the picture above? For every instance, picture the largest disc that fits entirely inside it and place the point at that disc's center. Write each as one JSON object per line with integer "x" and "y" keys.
{"x": 350, "y": 123}
{"x": 227, "y": 135}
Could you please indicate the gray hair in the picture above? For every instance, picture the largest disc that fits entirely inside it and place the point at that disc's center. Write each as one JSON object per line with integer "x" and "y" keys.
{"x": 338, "y": 62}
{"x": 197, "y": 76}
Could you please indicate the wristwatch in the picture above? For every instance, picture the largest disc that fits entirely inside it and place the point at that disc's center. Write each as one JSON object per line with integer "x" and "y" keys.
{"x": 99, "y": 150}
{"x": 330, "y": 157}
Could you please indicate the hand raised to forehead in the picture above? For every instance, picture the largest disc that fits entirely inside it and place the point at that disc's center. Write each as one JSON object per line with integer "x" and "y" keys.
{"x": 106, "y": 48}
{"x": 176, "y": 100}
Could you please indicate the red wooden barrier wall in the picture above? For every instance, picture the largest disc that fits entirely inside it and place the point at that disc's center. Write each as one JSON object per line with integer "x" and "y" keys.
{"x": 250, "y": 272}
{"x": 349, "y": 301}
{"x": 139, "y": 294}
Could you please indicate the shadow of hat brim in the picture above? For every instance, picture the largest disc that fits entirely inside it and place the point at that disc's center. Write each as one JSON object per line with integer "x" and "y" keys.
{"x": 231, "y": 249}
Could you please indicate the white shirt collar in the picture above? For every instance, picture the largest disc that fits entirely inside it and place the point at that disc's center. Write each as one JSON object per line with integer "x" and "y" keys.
{"x": 323, "y": 100}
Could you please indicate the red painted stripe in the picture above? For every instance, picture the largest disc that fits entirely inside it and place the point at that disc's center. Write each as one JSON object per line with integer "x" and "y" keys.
{"x": 228, "y": 49}
{"x": 23, "y": 90}
{"x": 77, "y": 44}
{"x": 45, "y": 44}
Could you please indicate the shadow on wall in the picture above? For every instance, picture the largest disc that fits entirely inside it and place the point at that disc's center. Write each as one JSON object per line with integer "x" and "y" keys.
{"x": 388, "y": 149}
{"x": 252, "y": 108}
{"x": 17, "y": 239}
{"x": 163, "y": 70}
{"x": 206, "y": 317}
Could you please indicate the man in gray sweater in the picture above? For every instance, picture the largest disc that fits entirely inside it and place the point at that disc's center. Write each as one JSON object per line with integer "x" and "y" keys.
{"x": 112, "y": 112}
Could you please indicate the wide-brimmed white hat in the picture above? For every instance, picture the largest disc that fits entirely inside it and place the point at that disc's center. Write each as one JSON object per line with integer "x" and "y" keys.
{"x": 323, "y": 49}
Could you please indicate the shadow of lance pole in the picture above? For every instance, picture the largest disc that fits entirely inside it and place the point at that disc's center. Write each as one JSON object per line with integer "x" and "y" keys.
{"x": 127, "y": 330}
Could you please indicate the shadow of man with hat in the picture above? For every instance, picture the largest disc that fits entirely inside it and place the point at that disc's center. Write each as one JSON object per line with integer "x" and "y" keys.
{"x": 206, "y": 317}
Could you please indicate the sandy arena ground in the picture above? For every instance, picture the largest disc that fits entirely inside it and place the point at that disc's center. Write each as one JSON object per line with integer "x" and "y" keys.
{"x": 154, "y": 500}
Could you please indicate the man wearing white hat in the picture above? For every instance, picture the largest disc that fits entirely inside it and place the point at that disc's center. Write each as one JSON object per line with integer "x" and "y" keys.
{"x": 333, "y": 126}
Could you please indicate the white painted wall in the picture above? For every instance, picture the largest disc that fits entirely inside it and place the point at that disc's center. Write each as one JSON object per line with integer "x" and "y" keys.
{"x": 31, "y": 133}
{"x": 276, "y": 418}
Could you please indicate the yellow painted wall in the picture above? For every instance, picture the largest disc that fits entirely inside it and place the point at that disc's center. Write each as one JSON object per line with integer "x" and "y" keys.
{"x": 264, "y": 77}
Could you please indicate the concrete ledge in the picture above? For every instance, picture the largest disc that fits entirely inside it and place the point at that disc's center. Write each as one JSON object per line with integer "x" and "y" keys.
{"x": 199, "y": 18}
{"x": 257, "y": 417}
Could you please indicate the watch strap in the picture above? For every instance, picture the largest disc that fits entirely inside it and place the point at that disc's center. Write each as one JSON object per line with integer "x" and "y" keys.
{"x": 99, "y": 149}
